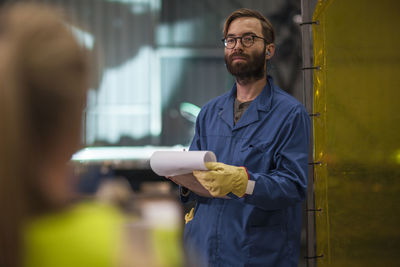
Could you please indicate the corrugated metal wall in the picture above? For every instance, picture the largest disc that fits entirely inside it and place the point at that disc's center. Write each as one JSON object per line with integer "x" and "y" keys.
{"x": 152, "y": 55}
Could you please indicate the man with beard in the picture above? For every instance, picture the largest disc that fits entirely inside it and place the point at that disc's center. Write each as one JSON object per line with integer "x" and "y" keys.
{"x": 260, "y": 136}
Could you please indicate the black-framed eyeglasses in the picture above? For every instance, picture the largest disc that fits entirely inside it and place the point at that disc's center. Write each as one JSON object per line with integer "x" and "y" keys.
{"x": 247, "y": 40}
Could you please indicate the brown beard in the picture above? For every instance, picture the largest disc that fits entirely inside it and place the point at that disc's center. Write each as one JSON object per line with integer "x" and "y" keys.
{"x": 253, "y": 69}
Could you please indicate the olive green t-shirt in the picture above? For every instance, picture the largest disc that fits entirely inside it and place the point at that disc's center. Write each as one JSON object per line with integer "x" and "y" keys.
{"x": 239, "y": 109}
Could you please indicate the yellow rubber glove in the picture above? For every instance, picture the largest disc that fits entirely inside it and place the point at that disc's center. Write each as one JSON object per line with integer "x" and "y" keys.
{"x": 221, "y": 179}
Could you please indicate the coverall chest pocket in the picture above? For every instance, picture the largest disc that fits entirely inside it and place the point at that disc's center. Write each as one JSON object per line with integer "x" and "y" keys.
{"x": 256, "y": 155}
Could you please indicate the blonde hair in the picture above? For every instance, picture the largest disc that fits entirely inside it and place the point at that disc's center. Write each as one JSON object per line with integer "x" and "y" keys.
{"x": 43, "y": 82}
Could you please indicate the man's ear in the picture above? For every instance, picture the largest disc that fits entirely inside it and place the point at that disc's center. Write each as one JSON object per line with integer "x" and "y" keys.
{"x": 269, "y": 51}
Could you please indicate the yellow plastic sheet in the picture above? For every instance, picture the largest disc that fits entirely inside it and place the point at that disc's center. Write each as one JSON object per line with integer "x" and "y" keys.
{"x": 357, "y": 135}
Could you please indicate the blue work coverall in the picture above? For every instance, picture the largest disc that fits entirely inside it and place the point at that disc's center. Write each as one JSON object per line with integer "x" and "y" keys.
{"x": 271, "y": 140}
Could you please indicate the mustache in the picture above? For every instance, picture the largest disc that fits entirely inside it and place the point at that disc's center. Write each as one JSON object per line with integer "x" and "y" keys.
{"x": 238, "y": 54}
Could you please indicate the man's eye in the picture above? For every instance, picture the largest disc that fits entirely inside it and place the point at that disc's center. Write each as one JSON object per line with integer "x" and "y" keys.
{"x": 247, "y": 38}
{"x": 230, "y": 40}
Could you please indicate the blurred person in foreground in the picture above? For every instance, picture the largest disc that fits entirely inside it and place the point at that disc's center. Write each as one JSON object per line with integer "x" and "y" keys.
{"x": 43, "y": 86}
{"x": 260, "y": 136}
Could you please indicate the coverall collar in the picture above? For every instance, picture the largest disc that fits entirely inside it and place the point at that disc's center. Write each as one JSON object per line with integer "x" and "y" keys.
{"x": 262, "y": 103}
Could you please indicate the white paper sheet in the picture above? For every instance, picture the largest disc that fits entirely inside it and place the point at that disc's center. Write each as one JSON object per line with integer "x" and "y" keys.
{"x": 171, "y": 163}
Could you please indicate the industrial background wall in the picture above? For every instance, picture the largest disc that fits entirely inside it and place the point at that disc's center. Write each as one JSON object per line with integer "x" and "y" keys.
{"x": 356, "y": 135}
{"x": 155, "y": 56}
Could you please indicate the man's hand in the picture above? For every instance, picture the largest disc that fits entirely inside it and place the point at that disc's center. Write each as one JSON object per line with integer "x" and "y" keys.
{"x": 221, "y": 179}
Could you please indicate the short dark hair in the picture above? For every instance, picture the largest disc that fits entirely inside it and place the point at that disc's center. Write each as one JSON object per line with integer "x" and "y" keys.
{"x": 267, "y": 29}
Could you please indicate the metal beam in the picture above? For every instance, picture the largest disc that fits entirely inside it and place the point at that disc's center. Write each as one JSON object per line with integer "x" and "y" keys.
{"x": 307, "y": 9}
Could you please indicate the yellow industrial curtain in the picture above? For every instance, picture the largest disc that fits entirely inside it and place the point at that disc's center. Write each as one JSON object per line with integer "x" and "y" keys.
{"x": 357, "y": 132}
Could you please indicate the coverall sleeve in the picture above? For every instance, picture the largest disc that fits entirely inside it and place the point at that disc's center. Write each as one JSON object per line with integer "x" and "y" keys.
{"x": 286, "y": 183}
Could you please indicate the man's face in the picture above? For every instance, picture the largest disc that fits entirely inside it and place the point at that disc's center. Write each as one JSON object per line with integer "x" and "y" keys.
{"x": 246, "y": 62}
